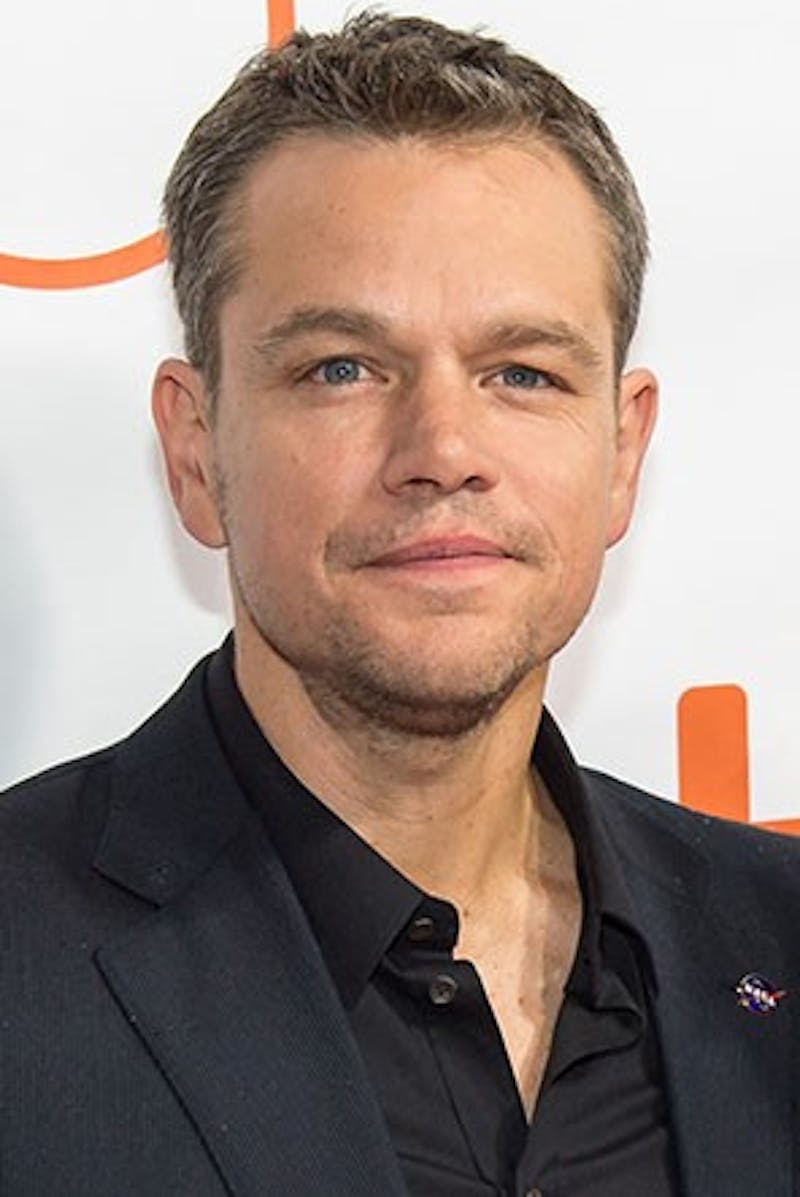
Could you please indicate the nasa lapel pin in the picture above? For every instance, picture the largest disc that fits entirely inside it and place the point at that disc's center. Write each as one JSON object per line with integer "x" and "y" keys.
{"x": 757, "y": 995}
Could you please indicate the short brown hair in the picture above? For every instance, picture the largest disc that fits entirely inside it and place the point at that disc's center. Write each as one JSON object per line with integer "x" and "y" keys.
{"x": 382, "y": 77}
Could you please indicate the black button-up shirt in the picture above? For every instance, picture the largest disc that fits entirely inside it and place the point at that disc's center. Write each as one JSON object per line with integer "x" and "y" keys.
{"x": 421, "y": 1018}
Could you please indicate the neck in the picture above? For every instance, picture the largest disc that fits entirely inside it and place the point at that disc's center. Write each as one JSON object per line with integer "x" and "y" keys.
{"x": 463, "y": 818}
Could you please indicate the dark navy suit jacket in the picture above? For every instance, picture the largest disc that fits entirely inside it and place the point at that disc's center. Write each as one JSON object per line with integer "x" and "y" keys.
{"x": 168, "y": 1027}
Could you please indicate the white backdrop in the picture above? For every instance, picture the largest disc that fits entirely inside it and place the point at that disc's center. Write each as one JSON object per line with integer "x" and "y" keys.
{"x": 105, "y": 603}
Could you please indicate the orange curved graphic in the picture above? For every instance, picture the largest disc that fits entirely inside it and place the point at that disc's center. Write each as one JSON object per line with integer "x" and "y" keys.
{"x": 713, "y": 766}
{"x": 50, "y": 274}
{"x": 54, "y": 274}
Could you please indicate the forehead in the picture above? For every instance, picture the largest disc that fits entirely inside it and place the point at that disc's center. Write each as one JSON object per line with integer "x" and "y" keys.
{"x": 438, "y": 227}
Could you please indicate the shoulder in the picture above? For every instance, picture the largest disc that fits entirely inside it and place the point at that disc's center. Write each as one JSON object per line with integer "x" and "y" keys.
{"x": 52, "y": 910}
{"x": 49, "y": 811}
{"x": 63, "y": 810}
{"x": 644, "y": 824}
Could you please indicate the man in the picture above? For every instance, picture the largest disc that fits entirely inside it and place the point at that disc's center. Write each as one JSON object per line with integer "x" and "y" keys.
{"x": 345, "y": 916}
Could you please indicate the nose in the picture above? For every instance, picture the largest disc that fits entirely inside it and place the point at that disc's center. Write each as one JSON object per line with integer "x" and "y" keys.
{"x": 438, "y": 440}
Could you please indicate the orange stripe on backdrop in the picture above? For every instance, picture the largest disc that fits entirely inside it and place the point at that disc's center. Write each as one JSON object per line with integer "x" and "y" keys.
{"x": 280, "y": 20}
{"x": 93, "y": 270}
{"x": 713, "y": 755}
{"x": 712, "y": 751}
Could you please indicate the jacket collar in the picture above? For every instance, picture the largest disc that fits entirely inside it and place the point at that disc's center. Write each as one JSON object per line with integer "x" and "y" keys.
{"x": 173, "y": 804}
{"x": 223, "y": 981}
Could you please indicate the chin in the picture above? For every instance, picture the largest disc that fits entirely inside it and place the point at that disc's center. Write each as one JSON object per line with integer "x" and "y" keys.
{"x": 412, "y": 697}
{"x": 398, "y": 682}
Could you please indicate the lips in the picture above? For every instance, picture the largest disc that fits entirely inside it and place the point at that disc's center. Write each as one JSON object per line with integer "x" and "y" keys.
{"x": 441, "y": 549}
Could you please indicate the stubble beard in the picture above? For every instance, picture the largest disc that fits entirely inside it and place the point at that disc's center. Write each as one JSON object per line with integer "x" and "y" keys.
{"x": 355, "y": 683}
{"x": 403, "y": 698}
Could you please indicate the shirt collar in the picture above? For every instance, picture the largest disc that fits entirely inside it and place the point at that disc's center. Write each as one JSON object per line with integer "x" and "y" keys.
{"x": 607, "y": 901}
{"x": 356, "y": 902}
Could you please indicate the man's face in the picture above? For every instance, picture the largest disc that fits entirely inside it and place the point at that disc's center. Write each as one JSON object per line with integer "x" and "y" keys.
{"x": 419, "y": 455}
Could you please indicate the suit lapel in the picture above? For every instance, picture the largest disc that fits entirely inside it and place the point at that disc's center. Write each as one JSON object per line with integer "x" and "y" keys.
{"x": 729, "y": 1072}
{"x": 224, "y": 982}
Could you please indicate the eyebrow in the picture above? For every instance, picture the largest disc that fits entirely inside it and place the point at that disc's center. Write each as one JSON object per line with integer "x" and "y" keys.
{"x": 302, "y": 321}
{"x": 556, "y": 334}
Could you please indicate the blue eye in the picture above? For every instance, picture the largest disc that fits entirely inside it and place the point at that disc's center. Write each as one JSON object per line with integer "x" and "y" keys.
{"x": 526, "y": 378}
{"x": 338, "y": 371}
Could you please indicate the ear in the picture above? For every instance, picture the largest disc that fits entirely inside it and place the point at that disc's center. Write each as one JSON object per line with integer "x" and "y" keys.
{"x": 637, "y": 405}
{"x": 182, "y": 413}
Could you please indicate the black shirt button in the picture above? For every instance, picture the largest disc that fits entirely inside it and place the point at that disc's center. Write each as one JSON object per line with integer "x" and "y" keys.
{"x": 421, "y": 929}
{"x": 442, "y": 989}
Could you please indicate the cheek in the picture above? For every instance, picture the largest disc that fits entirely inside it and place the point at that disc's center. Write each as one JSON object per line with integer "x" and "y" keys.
{"x": 568, "y": 490}
{"x": 283, "y": 499}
